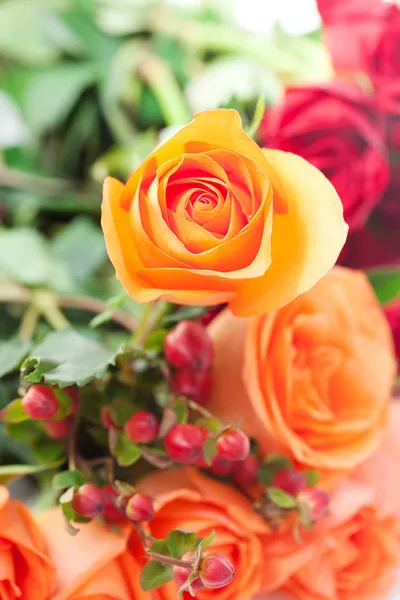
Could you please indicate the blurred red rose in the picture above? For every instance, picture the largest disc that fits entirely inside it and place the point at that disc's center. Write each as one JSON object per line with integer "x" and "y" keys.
{"x": 370, "y": 247}
{"x": 337, "y": 129}
{"x": 392, "y": 311}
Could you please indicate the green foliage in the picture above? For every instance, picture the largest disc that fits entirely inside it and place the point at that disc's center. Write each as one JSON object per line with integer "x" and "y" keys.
{"x": 126, "y": 452}
{"x": 66, "y": 479}
{"x": 179, "y": 542}
{"x": 281, "y": 498}
{"x": 155, "y": 574}
{"x": 386, "y": 283}
{"x": 272, "y": 464}
{"x": 12, "y": 353}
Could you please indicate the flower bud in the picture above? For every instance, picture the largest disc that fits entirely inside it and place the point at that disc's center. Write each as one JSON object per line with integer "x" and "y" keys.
{"x": 139, "y": 507}
{"x": 233, "y": 445}
{"x": 316, "y": 500}
{"x": 290, "y": 481}
{"x": 184, "y": 443}
{"x": 111, "y": 512}
{"x": 88, "y": 501}
{"x": 193, "y": 384}
{"x": 246, "y": 471}
{"x": 40, "y": 402}
{"x": 142, "y": 427}
{"x": 216, "y": 570}
{"x": 58, "y": 430}
{"x": 181, "y": 578}
{"x": 189, "y": 346}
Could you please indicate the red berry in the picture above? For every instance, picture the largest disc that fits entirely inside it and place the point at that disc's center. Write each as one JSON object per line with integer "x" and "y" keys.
{"x": 219, "y": 466}
{"x": 111, "y": 512}
{"x": 40, "y": 402}
{"x": 216, "y": 570}
{"x": 88, "y": 501}
{"x": 195, "y": 385}
{"x": 73, "y": 393}
{"x": 57, "y": 430}
{"x": 139, "y": 507}
{"x": 142, "y": 427}
{"x": 233, "y": 445}
{"x": 184, "y": 442}
{"x": 246, "y": 471}
{"x": 290, "y": 481}
{"x": 105, "y": 417}
{"x": 189, "y": 346}
{"x": 316, "y": 500}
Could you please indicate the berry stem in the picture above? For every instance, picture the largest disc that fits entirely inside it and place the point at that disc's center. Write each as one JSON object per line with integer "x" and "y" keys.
{"x": 168, "y": 560}
{"x": 200, "y": 409}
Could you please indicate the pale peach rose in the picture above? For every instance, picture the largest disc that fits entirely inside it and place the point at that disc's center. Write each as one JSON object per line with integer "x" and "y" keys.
{"x": 312, "y": 379}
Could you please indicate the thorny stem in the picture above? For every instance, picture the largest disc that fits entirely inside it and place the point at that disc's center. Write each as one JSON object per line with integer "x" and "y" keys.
{"x": 168, "y": 560}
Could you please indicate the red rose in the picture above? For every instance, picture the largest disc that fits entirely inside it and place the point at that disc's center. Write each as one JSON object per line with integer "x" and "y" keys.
{"x": 351, "y": 29}
{"x": 337, "y": 129}
{"x": 384, "y": 62}
{"x": 370, "y": 247}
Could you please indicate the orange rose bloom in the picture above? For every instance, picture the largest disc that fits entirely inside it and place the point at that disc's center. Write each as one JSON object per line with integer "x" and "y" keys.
{"x": 97, "y": 564}
{"x": 312, "y": 379}
{"x": 26, "y": 571}
{"x": 209, "y": 217}
{"x": 188, "y": 500}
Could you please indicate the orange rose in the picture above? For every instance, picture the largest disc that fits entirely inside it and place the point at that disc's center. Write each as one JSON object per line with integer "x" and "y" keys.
{"x": 209, "y": 217}
{"x": 189, "y": 500}
{"x": 312, "y": 379}
{"x": 97, "y": 564}
{"x": 26, "y": 571}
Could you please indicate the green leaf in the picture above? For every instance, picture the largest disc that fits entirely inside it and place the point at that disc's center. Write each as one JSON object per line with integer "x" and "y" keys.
{"x": 126, "y": 452}
{"x": 271, "y": 466}
{"x": 66, "y": 357}
{"x": 185, "y": 312}
{"x": 24, "y": 256}
{"x": 154, "y": 575}
{"x": 211, "y": 424}
{"x": 210, "y": 449}
{"x": 281, "y": 498}
{"x": 14, "y": 412}
{"x": 207, "y": 541}
{"x": 80, "y": 245}
{"x": 121, "y": 411}
{"x": 11, "y": 472}
{"x": 155, "y": 341}
{"x": 180, "y": 408}
{"x": 12, "y": 353}
{"x": 179, "y": 542}
{"x": 160, "y": 546}
{"x": 47, "y": 450}
{"x": 67, "y": 479}
{"x": 312, "y": 477}
{"x": 386, "y": 283}
{"x": 257, "y": 118}
{"x": 25, "y": 433}
{"x": 101, "y": 318}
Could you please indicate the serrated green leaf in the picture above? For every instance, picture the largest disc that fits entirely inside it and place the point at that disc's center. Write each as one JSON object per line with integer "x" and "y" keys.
{"x": 155, "y": 341}
{"x": 209, "y": 449}
{"x": 67, "y": 479}
{"x": 211, "y": 424}
{"x": 25, "y": 256}
{"x": 312, "y": 477}
{"x": 180, "y": 408}
{"x": 14, "y": 412}
{"x": 207, "y": 541}
{"x": 12, "y": 353}
{"x": 121, "y": 411}
{"x": 154, "y": 575}
{"x": 66, "y": 357}
{"x": 386, "y": 283}
{"x": 281, "y": 498}
{"x": 125, "y": 451}
{"x": 160, "y": 546}
{"x": 46, "y": 450}
{"x": 179, "y": 542}
{"x": 10, "y": 472}
{"x": 272, "y": 464}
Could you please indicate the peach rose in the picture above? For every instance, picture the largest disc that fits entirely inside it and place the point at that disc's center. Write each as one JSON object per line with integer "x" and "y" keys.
{"x": 26, "y": 571}
{"x": 209, "y": 217}
{"x": 312, "y": 379}
{"x": 189, "y": 500}
{"x": 97, "y": 564}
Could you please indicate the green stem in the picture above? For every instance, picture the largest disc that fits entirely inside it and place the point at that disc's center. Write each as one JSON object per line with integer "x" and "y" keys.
{"x": 168, "y": 560}
{"x": 28, "y": 323}
{"x": 46, "y": 303}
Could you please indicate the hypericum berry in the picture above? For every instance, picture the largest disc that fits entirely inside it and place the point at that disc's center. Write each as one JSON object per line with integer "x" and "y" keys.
{"x": 290, "y": 481}
{"x": 40, "y": 402}
{"x": 142, "y": 427}
{"x": 189, "y": 346}
{"x": 181, "y": 576}
{"x": 88, "y": 501}
{"x": 193, "y": 384}
{"x": 219, "y": 466}
{"x": 58, "y": 430}
{"x": 216, "y": 570}
{"x": 233, "y": 445}
{"x": 184, "y": 443}
{"x": 246, "y": 471}
{"x": 317, "y": 501}
{"x": 105, "y": 417}
{"x": 139, "y": 507}
{"x": 73, "y": 393}
{"x": 111, "y": 512}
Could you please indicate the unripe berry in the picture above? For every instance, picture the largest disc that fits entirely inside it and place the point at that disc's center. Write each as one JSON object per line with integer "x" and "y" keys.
{"x": 246, "y": 471}
{"x": 233, "y": 445}
{"x": 58, "y": 430}
{"x": 40, "y": 402}
{"x": 216, "y": 570}
{"x": 193, "y": 384}
{"x": 88, "y": 501}
{"x": 290, "y": 481}
{"x": 189, "y": 346}
{"x": 142, "y": 427}
{"x": 317, "y": 501}
{"x": 111, "y": 512}
{"x": 184, "y": 442}
{"x": 139, "y": 507}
